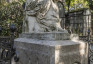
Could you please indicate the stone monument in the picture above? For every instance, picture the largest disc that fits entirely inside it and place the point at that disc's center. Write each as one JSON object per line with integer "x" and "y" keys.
{"x": 43, "y": 41}
{"x": 42, "y": 16}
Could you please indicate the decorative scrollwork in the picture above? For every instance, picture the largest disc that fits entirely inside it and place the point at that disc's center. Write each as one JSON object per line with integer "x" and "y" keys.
{"x": 91, "y": 58}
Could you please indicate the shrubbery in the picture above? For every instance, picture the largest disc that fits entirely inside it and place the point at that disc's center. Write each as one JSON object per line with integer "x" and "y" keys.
{"x": 8, "y": 13}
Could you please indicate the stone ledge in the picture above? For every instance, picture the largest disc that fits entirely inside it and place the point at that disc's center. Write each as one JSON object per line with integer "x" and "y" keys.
{"x": 50, "y": 43}
{"x": 47, "y": 36}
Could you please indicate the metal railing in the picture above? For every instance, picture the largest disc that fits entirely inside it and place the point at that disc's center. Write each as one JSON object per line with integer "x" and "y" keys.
{"x": 78, "y": 24}
{"x": 84, "y": 30}
{"x": 7, "y": 50}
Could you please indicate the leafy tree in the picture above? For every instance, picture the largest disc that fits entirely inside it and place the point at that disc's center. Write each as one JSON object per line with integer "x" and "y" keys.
{"x": 10, "y": 12}
{"x": 76, "y": 4}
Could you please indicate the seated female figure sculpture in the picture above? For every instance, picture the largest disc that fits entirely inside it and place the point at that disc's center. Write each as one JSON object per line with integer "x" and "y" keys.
{"x": 41, "y": 16}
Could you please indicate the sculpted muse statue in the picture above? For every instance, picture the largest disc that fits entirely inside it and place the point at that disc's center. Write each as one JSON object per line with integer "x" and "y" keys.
{"x": 41, "y": 16}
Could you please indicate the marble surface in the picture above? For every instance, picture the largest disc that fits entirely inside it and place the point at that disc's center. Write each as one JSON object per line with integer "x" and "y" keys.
{"x": 41, "y": 16}
{"x": 46, "y": 35}
{"x": 32, "y": 51}
{"x": 49, "y": 43}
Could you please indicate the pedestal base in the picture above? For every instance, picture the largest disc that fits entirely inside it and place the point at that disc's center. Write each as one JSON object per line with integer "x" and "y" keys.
{"x": 32, "y": 51}
{"x": 47, "y": 35}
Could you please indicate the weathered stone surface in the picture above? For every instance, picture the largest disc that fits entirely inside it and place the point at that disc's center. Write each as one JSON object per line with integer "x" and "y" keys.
{"x": 43, "y": 41}
{"x": 32, "y": 51}
{"x": 47, "y": 35}
{"x": 41, "y": 16}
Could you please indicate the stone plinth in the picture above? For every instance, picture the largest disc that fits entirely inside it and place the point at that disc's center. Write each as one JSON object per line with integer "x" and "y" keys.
{"x": 46, "y": 36}
{"x": 34, "y": 51}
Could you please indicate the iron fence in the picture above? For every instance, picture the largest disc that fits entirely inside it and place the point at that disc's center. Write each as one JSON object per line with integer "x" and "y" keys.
{"x": 7, "y": 50}
{"x": 81, "y": 25}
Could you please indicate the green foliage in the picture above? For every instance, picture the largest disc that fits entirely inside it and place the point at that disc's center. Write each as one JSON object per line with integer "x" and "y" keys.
{"x": 11, "y": 12}
{"x": 76, "y": 4}
{"x": 90, "y": 2}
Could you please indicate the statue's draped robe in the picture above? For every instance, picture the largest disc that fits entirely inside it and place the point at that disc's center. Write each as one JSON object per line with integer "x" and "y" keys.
{"x": 41, "y": 16}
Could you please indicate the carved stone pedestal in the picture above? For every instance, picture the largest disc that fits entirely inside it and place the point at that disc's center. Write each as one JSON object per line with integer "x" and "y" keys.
{"x": 46, "y": 36}
{"x": 35, "y": 51}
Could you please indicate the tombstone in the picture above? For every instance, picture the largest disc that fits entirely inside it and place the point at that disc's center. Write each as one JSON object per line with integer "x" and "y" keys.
{"x": 43, "y": 41}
